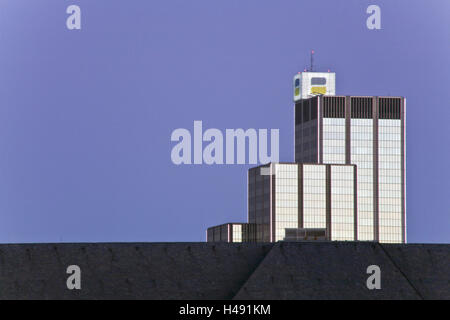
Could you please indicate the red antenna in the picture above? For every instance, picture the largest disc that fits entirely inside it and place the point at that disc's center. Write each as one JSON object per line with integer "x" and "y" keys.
{"x": 312, "y": 61}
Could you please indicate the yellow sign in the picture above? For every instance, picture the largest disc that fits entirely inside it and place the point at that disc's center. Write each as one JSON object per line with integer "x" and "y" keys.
{"x": 318, "y": 90}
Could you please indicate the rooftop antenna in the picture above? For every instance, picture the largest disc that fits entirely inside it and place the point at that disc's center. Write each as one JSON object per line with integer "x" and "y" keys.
{"x": 312, "y": 61}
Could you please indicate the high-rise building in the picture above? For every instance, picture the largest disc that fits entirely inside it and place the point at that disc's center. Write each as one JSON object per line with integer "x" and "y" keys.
{"x": 368, "y": 132}
{"x": 232, "y": 232}
{"x": 348, "y": 181}
{"x": 302, "y": 196}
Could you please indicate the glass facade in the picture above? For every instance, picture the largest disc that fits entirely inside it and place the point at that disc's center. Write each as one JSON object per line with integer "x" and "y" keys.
{"x": 237, "y": 233}
{"x": 286, "y": 198}
{"x": 231, "y": 232}
{"x": 342, "y": 203}
{"x": 334, "y": 140}
{"x": 348, "y": 134}
{"x": 219, "y": 233}
{"x": 390, "y": 180}
{"x": 348, "y": 178}
{"x": 299, "y": 191}
{"x": 314, "y": 196}
{"x": 306, "y": 131}
{"x": 259, "y": 202}
{"x": 362, "y": 156}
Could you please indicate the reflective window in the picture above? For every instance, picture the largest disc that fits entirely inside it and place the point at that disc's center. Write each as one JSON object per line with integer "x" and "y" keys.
{"x": 342, "y": 203}
{"x": 314, "y": 196}
{"x": 237, "y": 233}
{"x": 286, "y": 198}
{"x": 318, "y": 81}
{"x": 362, "y": 156}
{"x": 390, "y": 181}
{"x": 334, "y": 140}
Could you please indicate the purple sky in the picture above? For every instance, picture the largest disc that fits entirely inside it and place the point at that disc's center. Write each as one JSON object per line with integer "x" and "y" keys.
{"x": 86, "y": 116}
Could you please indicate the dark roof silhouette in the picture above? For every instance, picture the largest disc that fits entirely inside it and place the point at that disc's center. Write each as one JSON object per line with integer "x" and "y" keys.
{"x": 284, "y": 270}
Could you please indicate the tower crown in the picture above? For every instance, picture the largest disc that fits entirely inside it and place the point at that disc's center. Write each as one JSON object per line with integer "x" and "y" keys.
{"x": 308, "y": 84}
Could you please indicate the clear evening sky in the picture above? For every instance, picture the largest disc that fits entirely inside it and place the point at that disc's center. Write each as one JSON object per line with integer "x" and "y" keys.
{"x": 86, "y": 115}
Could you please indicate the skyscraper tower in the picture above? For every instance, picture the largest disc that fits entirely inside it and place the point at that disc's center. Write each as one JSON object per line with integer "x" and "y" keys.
{"x": 368, "y": 132}
{"x": 348, "y": 181}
